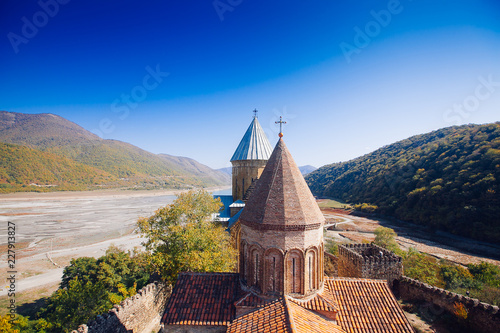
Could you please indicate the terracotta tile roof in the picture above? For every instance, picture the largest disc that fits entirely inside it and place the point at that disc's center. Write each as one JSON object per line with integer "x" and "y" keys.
{"x": 283, "y": 315}
{"x": 250, "y": 299}
{"x": 320, "y": 302}
{"x": 270, "y": 318}
{"x": 202, "y": 299}
{"x": 306, "y": 321}
{"x": 281, "y": 197}
{"x": 367, "y": 306}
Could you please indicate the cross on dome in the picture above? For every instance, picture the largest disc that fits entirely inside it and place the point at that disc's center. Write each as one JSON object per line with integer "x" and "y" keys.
{"x": 281, "y": 122}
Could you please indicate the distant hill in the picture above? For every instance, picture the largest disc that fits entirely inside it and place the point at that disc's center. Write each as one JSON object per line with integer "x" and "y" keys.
{"x": 197, "y": 169}
{"x": 125, "y": 164}
{"x": 26, "y": 169}
{"x": 227, "y": 171}
{"x": 448, "y": 179}
{"x": 306, "y": 169}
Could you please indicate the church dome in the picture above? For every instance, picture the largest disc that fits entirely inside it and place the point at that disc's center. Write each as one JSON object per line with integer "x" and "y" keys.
{"x": 254, "y": 145}
{"x": 281, "y": 199}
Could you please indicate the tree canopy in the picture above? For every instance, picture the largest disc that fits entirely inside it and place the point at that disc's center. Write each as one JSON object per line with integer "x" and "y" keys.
{"x": 182, "y": 237}
{"x": 448, "y": 179}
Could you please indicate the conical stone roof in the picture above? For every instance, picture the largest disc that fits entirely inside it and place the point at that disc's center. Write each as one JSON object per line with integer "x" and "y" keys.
{"x": 281, "y": 199}
{"x": 254, "y": 145}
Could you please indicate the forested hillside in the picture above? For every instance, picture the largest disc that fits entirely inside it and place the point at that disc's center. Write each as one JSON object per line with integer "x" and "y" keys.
{"x": 448, "y": 179}
{"x": 27, "y": 169}
{"x": 122, "y": 163}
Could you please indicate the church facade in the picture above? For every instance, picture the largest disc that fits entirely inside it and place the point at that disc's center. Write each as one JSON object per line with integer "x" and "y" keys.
{"x": 280, "y": 285}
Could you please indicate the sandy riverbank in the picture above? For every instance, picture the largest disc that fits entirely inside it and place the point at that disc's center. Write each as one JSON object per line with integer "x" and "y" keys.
{"x": 93, "y": 194}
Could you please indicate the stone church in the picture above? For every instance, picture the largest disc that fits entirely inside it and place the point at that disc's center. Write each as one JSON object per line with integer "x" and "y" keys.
{"x": 280, "y": 285}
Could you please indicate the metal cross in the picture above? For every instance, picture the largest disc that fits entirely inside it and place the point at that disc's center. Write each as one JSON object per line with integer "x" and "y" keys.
{"x": 281, "y": 122}
{"x": 255, "y": 113}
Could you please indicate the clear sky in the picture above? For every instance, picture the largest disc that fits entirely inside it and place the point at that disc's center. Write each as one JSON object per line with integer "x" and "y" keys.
{"x": 182, "y": 76}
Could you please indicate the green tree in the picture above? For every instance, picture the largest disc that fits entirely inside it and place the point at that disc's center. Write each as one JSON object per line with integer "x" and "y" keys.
{"x": 385, "y": 237}
{"x": 116, "y": 268}
{"x": 486, "y": 273}
{"x": 183, "y": 237}
{"x": 76, "y": 304}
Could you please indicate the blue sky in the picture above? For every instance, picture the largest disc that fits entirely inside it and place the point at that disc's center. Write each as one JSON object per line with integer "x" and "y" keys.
{"x": 182, "y": 77}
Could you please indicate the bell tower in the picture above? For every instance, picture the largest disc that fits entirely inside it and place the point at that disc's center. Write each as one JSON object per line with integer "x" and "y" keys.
{"x": 249, "y": 159}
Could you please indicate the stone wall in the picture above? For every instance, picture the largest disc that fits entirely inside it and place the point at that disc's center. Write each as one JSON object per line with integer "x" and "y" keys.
{"x": 369, "y": 261}
{"x": 481, "y": 317}
{"x": 140, "y": 313}
{"x": 244, "y": 172}
{"x": 331, "y": 265}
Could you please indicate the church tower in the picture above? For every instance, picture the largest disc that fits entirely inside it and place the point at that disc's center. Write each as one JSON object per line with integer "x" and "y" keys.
{"x": 281, "y": 241}
{"x": 249, "y": 159}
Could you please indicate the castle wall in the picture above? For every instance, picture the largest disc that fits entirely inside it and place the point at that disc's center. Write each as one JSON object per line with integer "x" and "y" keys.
{"x": 331, "y": 265}
{"x": 482, "y": 317}
{"x": 140, "y": 313}
{"x": 369, "y": 261}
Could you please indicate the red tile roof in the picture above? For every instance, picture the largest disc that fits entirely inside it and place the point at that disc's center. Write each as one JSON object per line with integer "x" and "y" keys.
{"x": 270, "y": 318}
{"x": 283, "y": 315}
{"x": 281, "y": 197}
{"x": 367, "y": 306}
{"x": 320, "y": 302}
{"x": 203, "y": 299}
{"x": 363, "y": 306}
{"x": 305, "y": 321}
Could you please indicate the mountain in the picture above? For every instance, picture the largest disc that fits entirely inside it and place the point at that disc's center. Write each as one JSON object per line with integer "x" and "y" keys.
{"x": 125, "y": 164}
{"x": 448, "y": 179}
{"x": 26, "y": 169}
{"x": 227, "y": 171}
{"x": 306, "y": 169}
{"x": 197, "y": 169}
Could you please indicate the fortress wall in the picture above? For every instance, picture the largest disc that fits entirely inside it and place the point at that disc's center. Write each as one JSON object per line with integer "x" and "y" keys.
{"x": 140, "y": 313}
{"x": 369, "y": 261}
{"x": 481, "y": 317}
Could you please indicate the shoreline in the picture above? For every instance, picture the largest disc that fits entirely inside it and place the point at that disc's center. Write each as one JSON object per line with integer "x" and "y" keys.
{"x": 96, "y": 194}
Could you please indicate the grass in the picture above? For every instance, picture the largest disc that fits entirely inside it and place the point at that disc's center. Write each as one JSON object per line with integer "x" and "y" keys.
{"x": 331, "y": 203}
{"x": 28, "y": 302}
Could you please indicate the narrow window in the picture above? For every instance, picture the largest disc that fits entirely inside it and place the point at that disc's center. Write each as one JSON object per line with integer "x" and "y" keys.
{"x": 274, "y": 274}
{"x": 256, "y": 277}
{"x": 293, "y": 275}
{"x": 310, "y": 274}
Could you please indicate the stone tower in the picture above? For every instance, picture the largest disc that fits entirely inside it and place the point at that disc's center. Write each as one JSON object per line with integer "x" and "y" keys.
{"x": 281, "y": 241}
{"x": 249, "y": 159}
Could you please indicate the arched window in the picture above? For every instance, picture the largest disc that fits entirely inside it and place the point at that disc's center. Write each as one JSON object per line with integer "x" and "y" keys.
{"x": 311, "y": 265}
{"x": 255, "y": 270}
{"x": 273, "y": 271}
{"x": 295, "y": 272}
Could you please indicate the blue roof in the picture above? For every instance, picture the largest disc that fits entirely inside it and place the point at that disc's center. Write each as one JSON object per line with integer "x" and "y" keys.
{"x": 254, "y": 145}
{"x": 233, "y": 220}
{"x": 226, "y": 200}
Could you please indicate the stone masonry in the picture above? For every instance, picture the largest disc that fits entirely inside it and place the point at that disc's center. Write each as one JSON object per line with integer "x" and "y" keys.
{"x": 369, "y": 261}
{"x": 140, "y": 313}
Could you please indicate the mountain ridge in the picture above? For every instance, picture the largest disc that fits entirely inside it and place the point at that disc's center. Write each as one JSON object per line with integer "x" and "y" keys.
{"x": 448, "y": 179}
{"x": 131, "y": 166}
